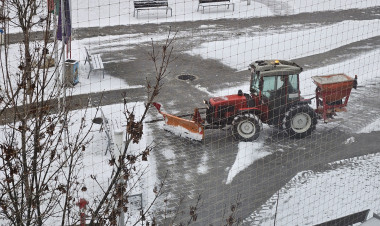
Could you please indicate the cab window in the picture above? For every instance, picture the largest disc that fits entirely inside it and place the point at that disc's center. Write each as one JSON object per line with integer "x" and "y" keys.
{"x": 255, "y": 80}
{"x": 269, "y": 85}
{"x": 293, "y": 84}
{"x": 280, "y": 82}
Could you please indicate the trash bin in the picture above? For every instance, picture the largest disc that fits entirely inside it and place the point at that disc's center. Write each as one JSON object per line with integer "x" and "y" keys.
{"x": 1, "y": 36}
{"x": 71, "y": 72}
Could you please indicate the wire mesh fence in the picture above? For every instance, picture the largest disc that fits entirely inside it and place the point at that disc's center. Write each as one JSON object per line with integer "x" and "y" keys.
{"x": 268, "y": 112}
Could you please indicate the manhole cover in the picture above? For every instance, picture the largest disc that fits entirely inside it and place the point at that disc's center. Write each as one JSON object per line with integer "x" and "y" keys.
{"x": 187, "y": 77}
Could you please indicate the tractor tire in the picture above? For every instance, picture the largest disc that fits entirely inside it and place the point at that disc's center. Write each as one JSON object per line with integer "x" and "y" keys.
{"x": 246, "y": 127}
{"x": 300, "y": 121}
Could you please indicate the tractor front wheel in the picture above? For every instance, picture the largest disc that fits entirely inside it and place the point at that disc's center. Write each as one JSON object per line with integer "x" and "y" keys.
{"x": 300, "y": 121}
{"x": 246, "y": 127}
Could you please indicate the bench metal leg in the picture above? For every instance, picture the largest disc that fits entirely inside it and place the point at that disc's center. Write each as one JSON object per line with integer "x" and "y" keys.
{"x": 227, "y": 4}
{"x": 136, "y": 13}
{"x": 171, "y": 11}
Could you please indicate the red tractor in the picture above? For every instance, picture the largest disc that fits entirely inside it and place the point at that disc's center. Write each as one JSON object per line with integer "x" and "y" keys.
{"x": 274, "y": 99}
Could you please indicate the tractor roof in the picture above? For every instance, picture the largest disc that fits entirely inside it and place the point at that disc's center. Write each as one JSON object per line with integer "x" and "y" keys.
{"x": 276, "y": 67}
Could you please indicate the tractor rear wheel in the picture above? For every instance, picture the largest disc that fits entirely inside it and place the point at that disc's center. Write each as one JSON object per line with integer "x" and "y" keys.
{"x": 300, "y": 121}
{"x": 246, "y": 127}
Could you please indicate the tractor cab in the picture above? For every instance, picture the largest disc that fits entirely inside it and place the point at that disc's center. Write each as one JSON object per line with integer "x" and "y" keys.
{"x": 275, "y": 79}
{"x": 275, "y": 85}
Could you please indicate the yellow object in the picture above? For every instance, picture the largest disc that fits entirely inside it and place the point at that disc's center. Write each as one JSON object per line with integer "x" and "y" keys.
{"x": 189, "y": 125}
{"x": 194, "y": 126}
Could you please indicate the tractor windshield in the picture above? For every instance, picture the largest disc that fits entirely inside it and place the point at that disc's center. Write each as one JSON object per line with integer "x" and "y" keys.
{"x": 255, "y": 80}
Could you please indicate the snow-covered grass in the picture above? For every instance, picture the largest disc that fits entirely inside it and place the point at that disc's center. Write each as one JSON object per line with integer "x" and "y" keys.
{"x": 87, "y": 83}
{"x": 315, "y": 197}
{"x": 95, "y": 159}
{"x": 90, "y": 13}
{"x": 238, "y": 53}
{"x": 115, "y": 12}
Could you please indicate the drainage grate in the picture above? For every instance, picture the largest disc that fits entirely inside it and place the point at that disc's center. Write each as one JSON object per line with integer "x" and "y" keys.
{"x": 187, "y": 77}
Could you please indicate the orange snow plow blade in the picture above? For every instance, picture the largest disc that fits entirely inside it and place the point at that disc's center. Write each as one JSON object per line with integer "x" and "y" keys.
{"x": 192, "y": 129}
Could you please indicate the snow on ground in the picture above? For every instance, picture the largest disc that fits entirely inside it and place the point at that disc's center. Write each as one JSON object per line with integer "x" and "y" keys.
{"x": 316, "y": 197}
{"x": 95, "y": 160}
{"x": 274, "y": 44}
{"x": 234, "y": 53}
{"x": 88, "y": 13}
{"x": 181, "y": 132}
{"x": 114, "y": 12}
{"x": 353, "y": 183}
{"x": 203, "y": 166}
{"x": 305, "y": 194}
{"x": 373, "y": 126}
{"x": 366, "y": 73}
{"x": 95, "y": 82}
{"x": 315, "y": 191}
{"x": 87, "y": 83}
{"x": 248, "y": 153}
{"x": 169, "y": 154}
{"x": 349, "y": 140}
{"x": 238, "y": 53}
{"x": 351, "y": 186}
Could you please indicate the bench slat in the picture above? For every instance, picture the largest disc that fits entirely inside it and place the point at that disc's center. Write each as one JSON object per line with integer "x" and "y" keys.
{"x": 95, "y": 62}
{"x": 137, "y": 6}
{"x": 146, "y": 4}
{"x": 149, "y": 1}
{"x": 211, "y": 1}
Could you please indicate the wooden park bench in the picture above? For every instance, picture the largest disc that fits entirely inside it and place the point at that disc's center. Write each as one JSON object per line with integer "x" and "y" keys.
{"x": 95, "y": 62}
{"x": 209, "y": 3}
{"x": 151, "y": 4}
